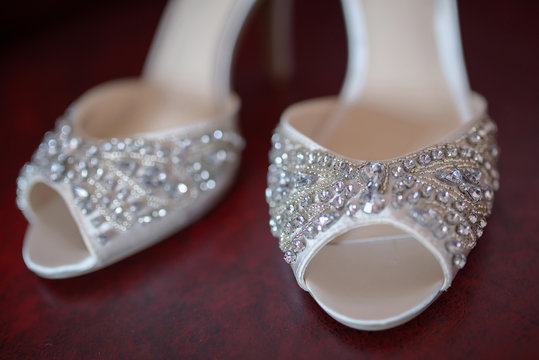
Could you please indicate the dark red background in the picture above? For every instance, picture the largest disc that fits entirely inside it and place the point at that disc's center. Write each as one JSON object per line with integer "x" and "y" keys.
{"x": 219, "y": 288}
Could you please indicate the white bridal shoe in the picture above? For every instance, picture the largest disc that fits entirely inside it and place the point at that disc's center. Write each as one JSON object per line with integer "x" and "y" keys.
{"x": 378, "y": 195}
{"x": 133, "y": 161}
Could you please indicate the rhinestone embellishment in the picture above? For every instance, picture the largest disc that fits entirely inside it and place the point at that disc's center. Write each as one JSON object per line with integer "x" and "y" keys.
{"x": 121, "y": 183}
{"x": 447, "y": 189}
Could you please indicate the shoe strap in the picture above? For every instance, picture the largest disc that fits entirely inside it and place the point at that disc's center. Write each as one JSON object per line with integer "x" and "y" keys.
{"x": 441, "y": 194}
{"x": 193, "y": 48}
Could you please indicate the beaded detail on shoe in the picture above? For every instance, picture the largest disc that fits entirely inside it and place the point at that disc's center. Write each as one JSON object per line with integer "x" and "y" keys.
{"x": 121, "y": 183}
{"x": 446, "y": 188}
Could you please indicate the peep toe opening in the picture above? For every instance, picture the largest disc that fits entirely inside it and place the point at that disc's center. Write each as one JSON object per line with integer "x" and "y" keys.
{"x": 53, "y": 243}
{"x": 373, "y": 276}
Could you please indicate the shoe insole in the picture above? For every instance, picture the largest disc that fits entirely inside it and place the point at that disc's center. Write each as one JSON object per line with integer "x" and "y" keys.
{"x": 130, "y": 107}
{"x": 186, "y": 77}
{"x": 406, "y": 101}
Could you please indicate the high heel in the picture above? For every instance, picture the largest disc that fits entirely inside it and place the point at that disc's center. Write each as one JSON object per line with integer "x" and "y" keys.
{"x": 135, "y": 160}
{"x": 378, "y": 196}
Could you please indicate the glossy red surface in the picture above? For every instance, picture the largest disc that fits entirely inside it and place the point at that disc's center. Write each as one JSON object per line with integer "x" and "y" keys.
{"x": 219, "y": 288}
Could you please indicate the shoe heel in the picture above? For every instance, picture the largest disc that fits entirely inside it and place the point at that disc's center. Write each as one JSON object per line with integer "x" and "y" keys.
{"x": 279, "y": 43}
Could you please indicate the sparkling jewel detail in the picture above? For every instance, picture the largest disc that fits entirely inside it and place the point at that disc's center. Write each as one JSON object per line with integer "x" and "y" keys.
{"x": 447, "y": 189}
{"x": 121, "y": 183}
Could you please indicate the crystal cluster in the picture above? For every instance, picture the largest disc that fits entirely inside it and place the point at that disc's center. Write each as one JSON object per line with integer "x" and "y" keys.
{"x": 446, "y": 188}
{"x": 121, "y": 183}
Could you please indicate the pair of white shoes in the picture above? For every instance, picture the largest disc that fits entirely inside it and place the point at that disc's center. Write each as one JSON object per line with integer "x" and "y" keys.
{"x": 376, "y": 196}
